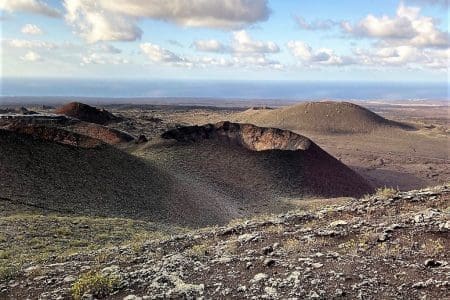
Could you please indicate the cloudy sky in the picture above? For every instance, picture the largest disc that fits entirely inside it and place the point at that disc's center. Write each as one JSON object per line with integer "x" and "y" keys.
{"x": 383, "y": 40}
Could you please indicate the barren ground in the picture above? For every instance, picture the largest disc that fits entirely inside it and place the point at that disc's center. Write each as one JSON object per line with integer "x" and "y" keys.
{"x": 392, "y": 158}
{"x": 390, "y": 245}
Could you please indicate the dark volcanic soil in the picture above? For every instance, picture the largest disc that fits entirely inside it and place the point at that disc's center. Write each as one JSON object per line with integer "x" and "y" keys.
{"x": 99, "y": 181}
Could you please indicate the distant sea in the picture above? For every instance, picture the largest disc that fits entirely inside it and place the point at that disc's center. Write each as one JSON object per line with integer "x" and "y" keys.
{"x": 288, "y": 90}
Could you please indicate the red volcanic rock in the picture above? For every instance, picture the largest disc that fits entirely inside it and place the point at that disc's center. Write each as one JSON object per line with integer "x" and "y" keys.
{"x": 87, "y": 113}
{"x": 249, "y": 136}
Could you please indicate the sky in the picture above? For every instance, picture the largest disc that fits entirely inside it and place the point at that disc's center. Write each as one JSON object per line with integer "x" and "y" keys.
{"x": 383, "y": 40}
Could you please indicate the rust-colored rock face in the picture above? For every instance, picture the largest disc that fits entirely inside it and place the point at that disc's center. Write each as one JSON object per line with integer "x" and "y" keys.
{"x": 246, "y": 135}
{"x": 87, "y": 113}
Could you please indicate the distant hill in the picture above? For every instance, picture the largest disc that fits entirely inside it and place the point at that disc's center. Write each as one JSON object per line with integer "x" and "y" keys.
{"x": 323, "y": 117}
{"x": 87, "y": 113}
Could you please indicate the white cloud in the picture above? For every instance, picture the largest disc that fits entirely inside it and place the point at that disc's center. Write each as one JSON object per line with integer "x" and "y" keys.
{"x": 245, "y": 52}
{"x": 209, "y": 46}
{"x": 243, "y": 43}
{"x": 31, "y": 29}
{"x": 95, "y": 24}
{"x": 29, "y": 6}
{"x": 405, "y": 56}
{"x": 160, "y": 55}
{"x": 102, "y": 59}
{"x": 107, "y": 20}
{"x": 322, "y": 56}
{"x": 315, "y": 25}
{"x": 102, "y": 54}
{"x": 257, "y": 61}
{"x": 408, "y": 27}
{"x": 31, "y": 56}
{"x": 28, "y": 44}
{"x": 157, "y": 54}
{"x": 106, "y": 48}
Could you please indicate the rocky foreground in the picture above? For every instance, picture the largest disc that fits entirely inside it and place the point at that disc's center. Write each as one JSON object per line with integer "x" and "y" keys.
{"x": 393, "y": 245}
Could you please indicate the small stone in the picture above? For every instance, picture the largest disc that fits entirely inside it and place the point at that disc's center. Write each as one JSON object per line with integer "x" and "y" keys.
{"x": 247, "y": 237}
{"x": 444, "y": 225}
{"x": 431, "y": 263}
{"x": 267, "y": 250}
{"x": 69, "y": 279}
{"x": 382, "y": 237}
{"x": 313, "y": 295}
{"x": 271, "y": 291}
{"x": 242, "y": 288}
{"x": 268, "y": 262}
{"x": 31, "y": 269}
{"x": 132, "y": 297}
{"x": 317, "y": 265}
{"x": 338, "y": 223}
{"x": 85, "y": 268}
{"x": 39, "y": 278}
{"x": 392, "y": 228}
{"x": 87, "y": 297}
{"x": 339, "y": 292}
{"x": 258, "y": 277}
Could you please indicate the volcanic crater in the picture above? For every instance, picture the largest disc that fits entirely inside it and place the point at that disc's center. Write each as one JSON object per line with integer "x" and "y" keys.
{"x": 246, "y": 135}
{"x": 269, "y": 161}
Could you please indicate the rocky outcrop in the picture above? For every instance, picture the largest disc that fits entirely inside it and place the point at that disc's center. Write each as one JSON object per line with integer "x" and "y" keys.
{"x": 391, "y": 247}
{"x": 87, "y": 113}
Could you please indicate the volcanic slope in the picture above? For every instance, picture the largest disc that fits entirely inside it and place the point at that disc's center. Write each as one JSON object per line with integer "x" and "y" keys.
{"x": 87, "y": 113}
{"x": 321, "y": 117}
{"x": 99, "y": 180}
{"x": 192, "y": 176}
{"x": 251, "y": 164}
